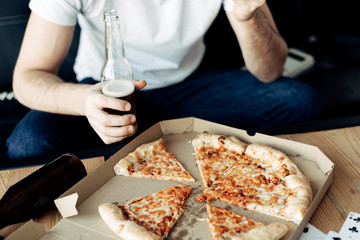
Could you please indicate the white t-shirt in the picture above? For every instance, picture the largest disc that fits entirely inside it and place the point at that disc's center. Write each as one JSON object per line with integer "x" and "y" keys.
{"x": 163, "y": 38}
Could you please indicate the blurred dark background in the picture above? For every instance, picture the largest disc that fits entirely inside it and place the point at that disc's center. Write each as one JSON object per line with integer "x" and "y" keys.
{"x": 328, "y": 30}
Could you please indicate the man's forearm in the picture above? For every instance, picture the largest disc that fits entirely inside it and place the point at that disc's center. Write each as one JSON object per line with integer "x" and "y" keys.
{"x": 46, "y": 92}
{"x": 263, "y": 49}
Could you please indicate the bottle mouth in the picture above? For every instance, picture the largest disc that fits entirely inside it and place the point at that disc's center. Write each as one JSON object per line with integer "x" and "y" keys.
{"x": 111, "y": 15}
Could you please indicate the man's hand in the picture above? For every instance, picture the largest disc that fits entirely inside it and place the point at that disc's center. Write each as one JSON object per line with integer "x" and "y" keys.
{"x": 246, "y": 9}
{"x": 110, "y": 128}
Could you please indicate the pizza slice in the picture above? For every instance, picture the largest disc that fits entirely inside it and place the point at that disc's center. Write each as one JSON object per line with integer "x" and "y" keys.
{"x": 216, "y": 153}
{"x": 153, "y": 160}
{"x": 226, "y": 225}
{"x": 150, "y": 217}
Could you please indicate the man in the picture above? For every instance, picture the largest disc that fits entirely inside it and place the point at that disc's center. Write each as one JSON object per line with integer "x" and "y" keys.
{"x": 164, "y": 45}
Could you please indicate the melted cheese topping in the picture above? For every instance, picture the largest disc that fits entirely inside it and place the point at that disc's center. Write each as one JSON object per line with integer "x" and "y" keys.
{"x": 153, "y": 160}
{"x": 227, "y": 225}
{"x": 215, "y": 154}
{"x": 158, "y": 212}
{"x": 253, "y": 176}
{"x": 213, "y": 162}
{"x": 251, "y": 184}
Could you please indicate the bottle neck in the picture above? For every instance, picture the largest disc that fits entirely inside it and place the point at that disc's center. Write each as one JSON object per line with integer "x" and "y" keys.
{"x": 115, "y": 65}
{"x": 114, "y": 47}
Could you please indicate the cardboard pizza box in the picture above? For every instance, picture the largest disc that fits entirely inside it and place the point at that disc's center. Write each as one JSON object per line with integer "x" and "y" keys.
{"x": 79, "y": 205}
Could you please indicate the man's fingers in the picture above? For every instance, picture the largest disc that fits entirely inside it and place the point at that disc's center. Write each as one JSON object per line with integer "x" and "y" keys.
{"x": 112, "y": 134}
{"x": 104, "y": 102}
{"x": 116, "y": 120}
{"x": 139, "y": 84}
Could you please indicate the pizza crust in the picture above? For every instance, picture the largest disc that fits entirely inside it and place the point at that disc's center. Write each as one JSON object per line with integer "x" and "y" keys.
{"x": 121, "y": 168}
{"x": 273, "y": 231}
{"x": 268, "y": 154}
{"x": 219, "y": 141}
{"x": 298, "y": 203}
{"x": 128, "y": 230}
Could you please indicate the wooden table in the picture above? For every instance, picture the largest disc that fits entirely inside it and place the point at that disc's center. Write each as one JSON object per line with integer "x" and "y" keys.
{"x": 342, "y": 146}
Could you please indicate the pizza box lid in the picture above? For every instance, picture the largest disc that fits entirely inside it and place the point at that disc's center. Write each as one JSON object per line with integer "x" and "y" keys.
{"x": 79, "y": 204}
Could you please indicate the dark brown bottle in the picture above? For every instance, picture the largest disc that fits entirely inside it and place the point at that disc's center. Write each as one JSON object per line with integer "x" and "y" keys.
{"x": 34, "y": 194}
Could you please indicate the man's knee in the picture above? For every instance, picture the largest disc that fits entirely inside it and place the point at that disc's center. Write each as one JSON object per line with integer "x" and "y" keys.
{"x": 291, "y": 101}
{"x": 305, "y": 102}
{"x": 29, "y": 137}
{"x": 26, "y": 142}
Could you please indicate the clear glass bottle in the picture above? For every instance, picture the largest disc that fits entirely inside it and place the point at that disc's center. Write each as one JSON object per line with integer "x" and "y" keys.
{"x": 116, "y": 74}
{"x": 34, "y": 194}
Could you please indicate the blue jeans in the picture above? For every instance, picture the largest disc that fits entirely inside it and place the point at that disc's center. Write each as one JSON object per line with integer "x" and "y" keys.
{"x": 230, "y": 97}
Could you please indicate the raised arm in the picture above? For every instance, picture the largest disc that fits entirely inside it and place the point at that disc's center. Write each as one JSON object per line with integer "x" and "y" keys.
{"x": 263, "y": 49}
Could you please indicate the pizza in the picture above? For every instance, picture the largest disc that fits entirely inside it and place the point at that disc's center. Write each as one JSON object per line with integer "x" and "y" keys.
{"x": 150, "y": 217}
{"x": 255, "y": 177}
{"x": 226, "y": 225}
{"x": 211, "y": 163}
{"x": 153, "y": 160}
